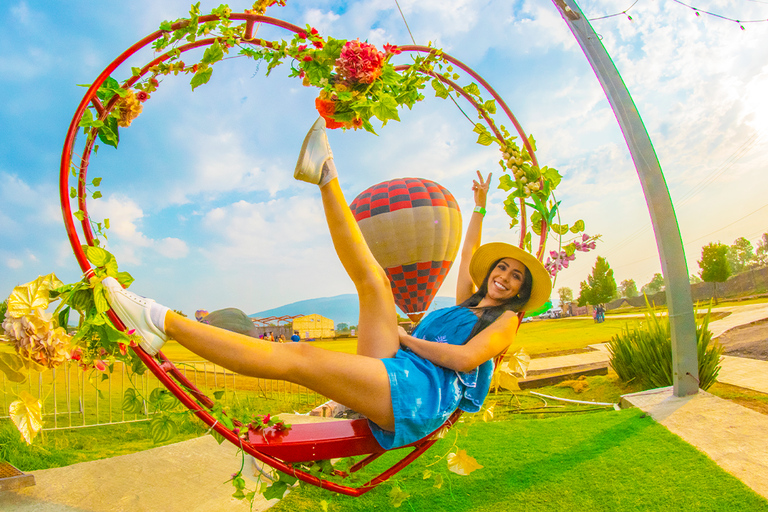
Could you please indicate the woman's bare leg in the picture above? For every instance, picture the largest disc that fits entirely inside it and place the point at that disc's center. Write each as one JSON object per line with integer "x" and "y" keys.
{"x": 359, "y": 382}
{"x": 377, "y": 325}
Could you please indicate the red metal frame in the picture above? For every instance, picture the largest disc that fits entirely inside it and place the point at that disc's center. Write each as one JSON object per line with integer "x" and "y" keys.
{"x": 343, "y": 438}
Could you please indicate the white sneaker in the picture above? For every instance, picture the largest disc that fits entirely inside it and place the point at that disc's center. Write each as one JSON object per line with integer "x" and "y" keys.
{"x": 315, "y": 151}
{"x": 133, "y": 310}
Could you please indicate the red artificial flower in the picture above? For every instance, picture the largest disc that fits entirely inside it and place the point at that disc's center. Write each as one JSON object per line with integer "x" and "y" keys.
{"x": 265, "y": 420}
{"x": 314, "y": 31}
{"x": 142, "y": 96}
{"x": 357, "y": 123}
{"x": 307, "y": 58}
{"x": 326, "y": 108}
{"x": 99, "y": 365}
{"x": 123, "y": 348}
{"x": 302, "y": 48}
{"x": 318, "y": 43}
{"x": 76, "y": 354}
{"x": 392, "y": 49}
{"x": 302, "y": 74}
{"x": 360, "y": 62}
{"x": 302, "y": 35}
{"x": 154, "y": 81}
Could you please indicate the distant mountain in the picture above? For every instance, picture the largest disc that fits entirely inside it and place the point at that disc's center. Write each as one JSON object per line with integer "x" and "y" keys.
{"x": 341, "y": 308}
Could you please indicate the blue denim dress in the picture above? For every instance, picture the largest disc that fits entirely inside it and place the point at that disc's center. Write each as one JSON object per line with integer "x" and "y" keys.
{"x": 424, "y": 395}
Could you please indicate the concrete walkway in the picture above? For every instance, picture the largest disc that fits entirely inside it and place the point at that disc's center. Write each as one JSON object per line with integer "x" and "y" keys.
{"x": 183, "y": 477}
{"x": 189, "y": 476}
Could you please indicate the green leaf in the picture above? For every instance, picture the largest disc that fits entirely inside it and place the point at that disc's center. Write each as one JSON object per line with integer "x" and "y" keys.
{"x": 490, "y": 106}
{"x": 201, "y": 77}
{"x": 162, "y": 428}
{"x": 213, "y": 53}
{"x": 166, "y": 26}
{"x": 276, "y": 490}
{"x": 578, "y": 226}
{"x": 72, "y": 192}
{"x": 472, "y": 89}
{"x": 162, "y": 399}
{"x": 485, "y": 139}
{"x": 440, "y": 90}
{"x": 135, "y": 71}
{"x": 79, "y": 215}
{"x": 125, "y": 279}
{"x": 108, "y": 134}
{"x": 218, "y": 394}
{"x": 10, "y": 365}
{"x": 386, "y": 109}
{"x": 533, "y": 142}
{"x": 96, "y": 182}
{"x": 97, "y": 194}
{"x": 132, "y": 404}
{"x": 560, "y": 229}
{"x": 106, "y": 223}
{"x": 63, "y": 317}
{"x": 97, "y": 256}
{"x": 510, "y": 206}
{"x": 506, "y": 183}
{"x": 398, "y": 496}
{"x": 551, "y": 175}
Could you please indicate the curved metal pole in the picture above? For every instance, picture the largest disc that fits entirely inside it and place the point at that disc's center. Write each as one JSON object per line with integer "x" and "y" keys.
{"x": 685, "y": 367}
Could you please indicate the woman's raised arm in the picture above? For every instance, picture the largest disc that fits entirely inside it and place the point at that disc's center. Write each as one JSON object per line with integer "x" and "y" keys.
{"x": 485, "y": 345}
{"x": 464, "y": 285}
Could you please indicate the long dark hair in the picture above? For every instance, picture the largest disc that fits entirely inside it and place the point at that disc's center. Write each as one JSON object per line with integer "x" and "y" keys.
{"x": 491, "y": 313}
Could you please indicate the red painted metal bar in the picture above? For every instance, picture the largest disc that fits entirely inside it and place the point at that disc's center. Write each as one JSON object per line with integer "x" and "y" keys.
{"x": 168, "y": 374}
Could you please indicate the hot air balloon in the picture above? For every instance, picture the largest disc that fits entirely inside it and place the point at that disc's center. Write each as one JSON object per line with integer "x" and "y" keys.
{"x": 413, "y": 227}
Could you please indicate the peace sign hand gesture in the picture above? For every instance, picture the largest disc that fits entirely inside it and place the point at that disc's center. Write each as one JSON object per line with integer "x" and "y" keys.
{"x": 480, "y": 188}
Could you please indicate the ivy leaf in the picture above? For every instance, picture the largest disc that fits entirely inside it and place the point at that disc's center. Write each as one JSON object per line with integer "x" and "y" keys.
{"x": 79, "y": 215}
{"x": 560, "y": 229}
{"x": 490, "y": 106}
{"x": 386, "y": 109}
{"x": 472, "y": 89}
{"x": 97, "y": 256}
{"x": 10, "y": 365}
{"x": 505, "y": 183}
{"x": 106, "y": 223}
{"x": 438, "y": 481}
{"x": 96, "y": 182}
{"x": 72, "y": 192}
{"x": 398, "y": 496}
{"x": 276, "y": 490}
{"x": 533, "y": 142}
{"x": 132, "y": 404}
{"x": 485, "y": 139}
{"x": 166, "y": 26}
{"x": 201, "y": 77}
{"x": 577, "y": 227}
{"x": 213, "y": 53}
{"x": 440, "y": 90}
{"x": 218, "y": 394}
{"x": 488, "y": 412}
{"x": 427, "y": 474}
{"x": 510, "y": 206}
{"x": 551, "y": 175}
{"x": 97, "y": 194}
{"x": 26, "y": 414}
{"x": 162, "y": 428}
{"x": 461, "y": 463}
{"x": 108, "y": 133}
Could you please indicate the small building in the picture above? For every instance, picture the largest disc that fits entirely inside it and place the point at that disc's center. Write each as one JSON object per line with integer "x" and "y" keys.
{"x": 314, "y": 327}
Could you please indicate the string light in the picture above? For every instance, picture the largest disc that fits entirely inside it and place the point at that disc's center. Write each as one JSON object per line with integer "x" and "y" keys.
{"x": 696, "y": 11}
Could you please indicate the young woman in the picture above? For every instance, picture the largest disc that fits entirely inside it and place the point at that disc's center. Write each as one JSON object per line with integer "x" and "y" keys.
{"x": 406, "y": 385}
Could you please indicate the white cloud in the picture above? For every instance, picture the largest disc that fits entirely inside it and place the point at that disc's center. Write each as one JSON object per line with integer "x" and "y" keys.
{"x": 14, "y": 263}
{"x": 172, "y": 248}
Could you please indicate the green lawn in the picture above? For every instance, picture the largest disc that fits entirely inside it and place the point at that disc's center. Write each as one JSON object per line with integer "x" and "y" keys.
{"x": 603, "y": 461}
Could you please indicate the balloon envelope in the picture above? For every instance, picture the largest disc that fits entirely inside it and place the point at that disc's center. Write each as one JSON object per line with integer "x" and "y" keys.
{"x": 413, "y": 227}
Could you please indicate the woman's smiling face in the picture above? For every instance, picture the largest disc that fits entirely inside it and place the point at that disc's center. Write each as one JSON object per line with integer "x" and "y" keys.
{"x": 505, "y": 280}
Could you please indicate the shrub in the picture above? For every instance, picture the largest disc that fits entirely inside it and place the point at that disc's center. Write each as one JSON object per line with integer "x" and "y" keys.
{"x": 644, "y": 353}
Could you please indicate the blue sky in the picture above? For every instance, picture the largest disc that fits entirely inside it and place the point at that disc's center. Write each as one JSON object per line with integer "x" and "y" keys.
{"x": 200, "y": 195}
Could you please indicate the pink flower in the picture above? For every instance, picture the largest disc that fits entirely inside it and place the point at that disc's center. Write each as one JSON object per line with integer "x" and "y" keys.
{"x": 265, "y": 420}
{"x": 360, "y": 62}
{"x": 142, "y": 96}
{"x": 391, "y": 49}
{"x": 99, "y": 365}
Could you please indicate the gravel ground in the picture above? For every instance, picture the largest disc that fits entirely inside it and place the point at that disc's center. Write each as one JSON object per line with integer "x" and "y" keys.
{"x": 749, "y": 340}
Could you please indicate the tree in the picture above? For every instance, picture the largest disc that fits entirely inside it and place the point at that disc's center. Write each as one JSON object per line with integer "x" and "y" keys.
{"x": 566, "y": 295}
{"x": 655, "y": 285}
{"x": 741, "y": 255}
{"x": 600, "y": 287}
{"x": 714, "y": 265}
{"x": 694, "y": 279}
{"x": 761, "y": 254}
{"x": 628, "y": 288}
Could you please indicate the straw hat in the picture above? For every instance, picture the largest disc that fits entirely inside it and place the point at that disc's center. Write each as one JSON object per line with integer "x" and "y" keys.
{"x": 487, "y": 254}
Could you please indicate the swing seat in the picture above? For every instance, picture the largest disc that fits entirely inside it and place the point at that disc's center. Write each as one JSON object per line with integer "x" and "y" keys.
{"x": 318, "y": 440}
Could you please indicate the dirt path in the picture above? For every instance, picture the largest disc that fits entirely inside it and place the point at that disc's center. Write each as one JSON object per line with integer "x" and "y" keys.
{"x": 749, "y": 340}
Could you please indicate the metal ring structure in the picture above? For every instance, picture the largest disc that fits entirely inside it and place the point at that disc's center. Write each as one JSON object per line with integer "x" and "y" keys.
{"x": 161, "y": 366}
